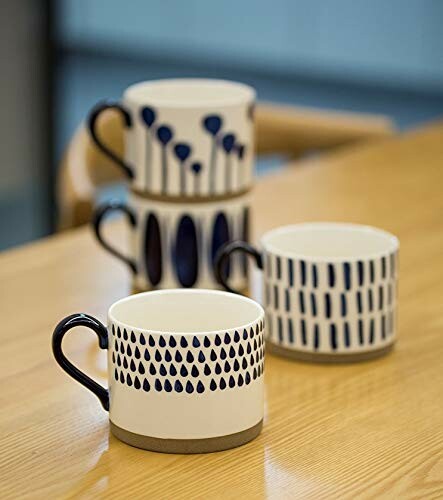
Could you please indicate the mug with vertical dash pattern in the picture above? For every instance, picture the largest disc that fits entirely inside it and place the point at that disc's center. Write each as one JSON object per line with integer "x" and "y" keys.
{"x": 330, "y": 290}
{"x": 185, "y": 139}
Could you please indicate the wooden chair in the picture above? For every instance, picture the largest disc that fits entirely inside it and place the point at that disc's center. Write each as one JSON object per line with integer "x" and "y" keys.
{"x": 286, "y": 130}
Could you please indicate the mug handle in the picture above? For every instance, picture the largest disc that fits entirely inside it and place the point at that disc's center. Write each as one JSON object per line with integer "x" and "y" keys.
{"x": 98, "y": 218}
{"x": 92, "y": 126}
{"x": 224, "y": 253}
{"x": 80, "y": 319}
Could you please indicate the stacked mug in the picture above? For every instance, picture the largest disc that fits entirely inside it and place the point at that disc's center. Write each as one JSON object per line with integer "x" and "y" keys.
{"x": 189, "y": 157}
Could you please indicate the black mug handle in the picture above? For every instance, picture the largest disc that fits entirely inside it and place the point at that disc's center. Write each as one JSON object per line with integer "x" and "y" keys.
{"x": 97, "y": 220}
{"x": 224, "y": 253}
{"x": 92, "y": 126}
{"x": 61, "y": 329}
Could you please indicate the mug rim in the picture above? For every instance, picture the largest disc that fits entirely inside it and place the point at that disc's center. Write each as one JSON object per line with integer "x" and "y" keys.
{"x": 391, "y": 239}
{"x": 243, "y": 93}
{"x": 187, "y": 291}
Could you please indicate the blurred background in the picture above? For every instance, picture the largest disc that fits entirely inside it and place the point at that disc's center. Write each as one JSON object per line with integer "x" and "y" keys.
{"x": 60, "y": 57}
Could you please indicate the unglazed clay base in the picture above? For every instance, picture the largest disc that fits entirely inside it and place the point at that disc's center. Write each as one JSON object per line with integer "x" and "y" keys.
{"x": 326, "y": 358}
{"x": 187, "y": 445}
{"x": 189, "y": 199}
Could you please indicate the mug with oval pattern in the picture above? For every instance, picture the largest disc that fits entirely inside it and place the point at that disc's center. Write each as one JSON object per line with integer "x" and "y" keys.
{"x": 330, "y": 290}
{"x": 174, "y": 244}
{"x": 185, "y": 369}
{"x": 184, "y": 138}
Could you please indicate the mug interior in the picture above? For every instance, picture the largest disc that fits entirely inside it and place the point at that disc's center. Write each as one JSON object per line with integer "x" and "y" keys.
{"x": 190, "y": 92}
{"x": 185, "y": 311}
{"x": 329, "y": 241}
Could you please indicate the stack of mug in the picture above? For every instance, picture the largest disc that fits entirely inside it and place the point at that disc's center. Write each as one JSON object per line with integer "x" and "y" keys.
{"x": 189, "y": 156}
{"x": 330, "y": 289}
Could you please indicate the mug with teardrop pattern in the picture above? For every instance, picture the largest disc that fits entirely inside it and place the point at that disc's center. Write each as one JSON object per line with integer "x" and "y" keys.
{"x": 174, "y": 244}
{"x": 330, "y": 290}
{"x": 184, "y": 138}
{"x": 185, "y": 369}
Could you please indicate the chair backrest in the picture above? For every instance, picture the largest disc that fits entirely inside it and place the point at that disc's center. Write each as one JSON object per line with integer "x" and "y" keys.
{"x": 286, "y": 130}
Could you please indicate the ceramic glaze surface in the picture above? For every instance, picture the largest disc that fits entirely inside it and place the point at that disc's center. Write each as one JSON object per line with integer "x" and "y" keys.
{"x": 328, "y": 288}
{"x": 196, "y": 373}
{"x": 189, "y": 137}
{"x": 206, "y": 381}
{"x": 336, "y": 300}
{"x": 186, "y": 386}
{"x": 185, "y": 238}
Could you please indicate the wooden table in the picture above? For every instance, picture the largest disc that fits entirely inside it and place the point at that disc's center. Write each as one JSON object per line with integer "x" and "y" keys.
{"x": 358, "y": 431}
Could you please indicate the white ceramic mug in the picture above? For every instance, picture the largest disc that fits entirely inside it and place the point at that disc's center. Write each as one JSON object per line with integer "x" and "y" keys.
{"x": 185, "y": 369}
{"x": 330, "y": 290}
{"x": 185, "y": 138}
{"x": 174, "y": 244}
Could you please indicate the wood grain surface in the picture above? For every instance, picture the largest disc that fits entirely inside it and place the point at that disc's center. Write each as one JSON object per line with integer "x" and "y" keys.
{"x": 368, "y": 430}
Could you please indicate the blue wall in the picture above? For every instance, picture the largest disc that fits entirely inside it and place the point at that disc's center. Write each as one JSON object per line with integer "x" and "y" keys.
{"x": 378, "y": 56}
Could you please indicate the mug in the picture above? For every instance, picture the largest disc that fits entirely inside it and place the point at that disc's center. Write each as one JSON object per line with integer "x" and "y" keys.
{"x": 185, "y": 369}
{"x": 185, "y": 138}
{"x": 174, "y": 244}
{"x": 330, "y": 290}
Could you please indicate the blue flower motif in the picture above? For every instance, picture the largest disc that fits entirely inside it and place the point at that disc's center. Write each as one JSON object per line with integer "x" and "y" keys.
{"x": 196, "y": 167}
{"x": 212, "y": 123}
{"x": 164, "y": 134}
{"x": 228, "y": 142}
{"x": 148, "y": 116}
{"x": 182, "y": 151}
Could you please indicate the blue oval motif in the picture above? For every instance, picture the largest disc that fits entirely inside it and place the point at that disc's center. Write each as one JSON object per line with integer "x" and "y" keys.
{"x": 220, "y": 236}
{"x": 153, "y": 250}
{"x": 186, "y": 252}
{"x": 245, "y": 237}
